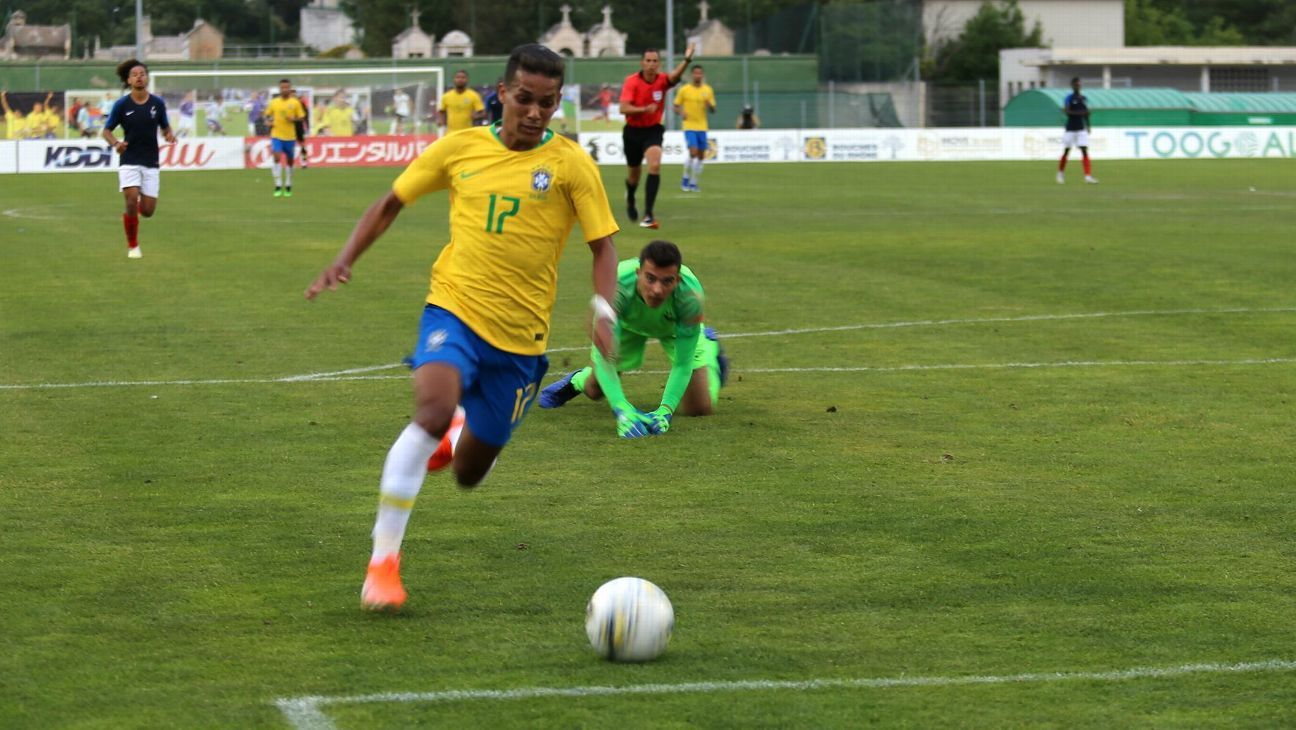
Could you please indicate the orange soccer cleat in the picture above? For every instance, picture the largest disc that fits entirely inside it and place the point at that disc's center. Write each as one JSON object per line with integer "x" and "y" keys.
{"x": 444, "y": 453}
{"x": 382, "y": 589}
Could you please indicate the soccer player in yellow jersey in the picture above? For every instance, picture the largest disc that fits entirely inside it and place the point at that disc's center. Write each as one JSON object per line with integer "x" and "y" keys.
{"x": 461, "y": 107}
{"x": 15, "y": 122}
{"x": 336, "y": 120}
{"x": 693, "y": 102}
{"x": 284, "y": 112}
{"x": 516, "y": 190}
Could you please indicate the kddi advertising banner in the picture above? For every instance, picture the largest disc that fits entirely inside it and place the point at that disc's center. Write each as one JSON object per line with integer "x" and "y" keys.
{"x": 214, "y": 153}
{"x": 8, "y": 157}
{"x": 947, "y": 145}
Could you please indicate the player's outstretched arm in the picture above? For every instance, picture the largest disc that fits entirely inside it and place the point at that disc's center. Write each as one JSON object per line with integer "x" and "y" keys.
{"x": 677, "y": 73}
{"x": 677, "y": 382}
{"x": 371, "y": 225}
{"x": 604, "y": 274}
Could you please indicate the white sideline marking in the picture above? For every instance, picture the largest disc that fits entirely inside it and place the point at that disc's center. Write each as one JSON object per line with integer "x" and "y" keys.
{"x": 324, "y": 377}
{"x": 306, "y": 713}
{"x": 356, "y": 373}
{"x": 1021, "y": 365}
{"x": 994, "y": 320}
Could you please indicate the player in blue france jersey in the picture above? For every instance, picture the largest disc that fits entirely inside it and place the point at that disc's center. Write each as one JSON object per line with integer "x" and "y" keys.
{"x": 1076, "y": 108}
{"x": 140, "y": 115}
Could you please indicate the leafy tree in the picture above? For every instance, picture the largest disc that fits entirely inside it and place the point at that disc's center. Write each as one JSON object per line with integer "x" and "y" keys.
{"x": 1148, "y": 23}
{"x": 1259, "y": 22}
{"x": 975, "y": 53}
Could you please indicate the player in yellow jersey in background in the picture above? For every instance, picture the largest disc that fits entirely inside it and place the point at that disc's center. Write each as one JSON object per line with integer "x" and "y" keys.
{"x": 15, "y": 122}
{"x": 461, "y": 107}
{"x": 693, "y": 102}
{"x": 336, "y": 120}
{"x": 284, "y": 111}
{"x": 516, "y": 190}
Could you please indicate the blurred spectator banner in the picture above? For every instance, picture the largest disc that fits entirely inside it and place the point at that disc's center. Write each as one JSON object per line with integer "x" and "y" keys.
{"x": 368, "y": 151}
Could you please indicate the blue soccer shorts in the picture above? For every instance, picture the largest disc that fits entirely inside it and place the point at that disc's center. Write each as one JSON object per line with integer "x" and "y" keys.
{"x": 498, "y": 387}
{"x": 286, "y": 146}
{"x": 695, "y": 139}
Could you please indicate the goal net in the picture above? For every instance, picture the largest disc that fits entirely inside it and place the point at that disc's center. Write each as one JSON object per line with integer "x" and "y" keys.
{"x": 340, "y": 102}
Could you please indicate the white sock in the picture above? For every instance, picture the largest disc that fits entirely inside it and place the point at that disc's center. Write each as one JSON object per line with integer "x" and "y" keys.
{"x": 402, "y": 478}
{"x": 288, "y": 176}
{"x": 697, "y": 169}
{"x": 278, "y": 173}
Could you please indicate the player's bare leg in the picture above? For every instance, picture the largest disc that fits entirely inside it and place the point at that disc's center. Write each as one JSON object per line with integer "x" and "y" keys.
{"x": 473, "y": 459}
{"x": 697, "y": 397}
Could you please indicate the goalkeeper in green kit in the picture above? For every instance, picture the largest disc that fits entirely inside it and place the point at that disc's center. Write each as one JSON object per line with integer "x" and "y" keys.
{"x": 657, "y": 297}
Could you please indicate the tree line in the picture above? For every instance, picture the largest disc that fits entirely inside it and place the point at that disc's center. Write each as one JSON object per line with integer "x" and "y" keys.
{"x": 498, "y": 25}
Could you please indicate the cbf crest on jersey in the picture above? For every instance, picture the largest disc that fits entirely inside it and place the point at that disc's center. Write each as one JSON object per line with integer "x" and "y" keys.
{"x": 541, "y": 180}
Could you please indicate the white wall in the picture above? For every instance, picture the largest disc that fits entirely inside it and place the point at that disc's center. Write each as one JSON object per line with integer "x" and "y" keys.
{"x": 1066, "y": 23}
{"x": 325, "y": 28}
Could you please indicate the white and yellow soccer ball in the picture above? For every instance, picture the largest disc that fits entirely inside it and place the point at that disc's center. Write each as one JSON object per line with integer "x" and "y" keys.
{"x": 629, "y": 620}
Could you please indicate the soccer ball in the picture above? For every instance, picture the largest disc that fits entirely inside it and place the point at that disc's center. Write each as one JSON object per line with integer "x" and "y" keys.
{"x": 629, "y": 620}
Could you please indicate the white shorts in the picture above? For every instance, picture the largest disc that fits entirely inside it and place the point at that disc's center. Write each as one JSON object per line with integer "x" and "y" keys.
{"x": 138, "y": 176}
{"x": 1075, "y": 139}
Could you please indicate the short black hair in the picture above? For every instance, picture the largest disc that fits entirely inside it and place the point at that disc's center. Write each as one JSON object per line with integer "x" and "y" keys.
{"x": 124, "y": 69}
{"x": 662, "y": 253}
{"x": 285, "y": 81}
{"x": 1075, "y": 79}
{"x": 697, "y": 67}
{"x": 536, "y": 59}
{"x": 650, "y": 50}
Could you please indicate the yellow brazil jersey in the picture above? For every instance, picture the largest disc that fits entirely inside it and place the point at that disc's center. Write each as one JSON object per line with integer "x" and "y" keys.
{"x": 15, "y": 126}
{"x": 694, "y": 101}
{"x": 338, "y": 120}
{"x": 459, "y": 108}
{"x": 510, "y": 216}
{"x": 282, "y": 113}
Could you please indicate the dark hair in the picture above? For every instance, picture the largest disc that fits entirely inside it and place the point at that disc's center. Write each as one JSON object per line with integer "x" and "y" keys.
{"x": 124, "y": 68}
{"x": 463, "y": 71}
{"x": 697, "y": 67}
{"x": 650, "y": 50}
{"x": 662, "y": 253}
{"x": 1074, "y": 79}
{"x": 536, "y": 59}
{"x": 285, "y": 81}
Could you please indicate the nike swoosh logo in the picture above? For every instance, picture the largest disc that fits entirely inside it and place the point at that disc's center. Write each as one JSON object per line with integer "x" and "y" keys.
{"x": 466, "y": 175}
{"x": 129, "y": 113}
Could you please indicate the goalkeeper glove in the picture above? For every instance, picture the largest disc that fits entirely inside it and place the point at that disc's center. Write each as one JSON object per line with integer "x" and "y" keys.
{"x": 631, "y": 422}
{"x": 659, "y": 420}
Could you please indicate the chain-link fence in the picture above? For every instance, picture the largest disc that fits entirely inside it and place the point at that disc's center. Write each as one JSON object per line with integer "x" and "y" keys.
{"x": 824, "y": 109}
{"x": 963, "y": 105}
{"x": 874, "y": 40}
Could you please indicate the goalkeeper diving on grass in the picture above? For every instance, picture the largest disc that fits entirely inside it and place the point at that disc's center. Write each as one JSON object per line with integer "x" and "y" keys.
{"x": 657, "y": 297}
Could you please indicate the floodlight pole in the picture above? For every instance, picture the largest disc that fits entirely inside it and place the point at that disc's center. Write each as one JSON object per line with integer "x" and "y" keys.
{"x": 670, "y": 34}
{"x": 139, "y": 29}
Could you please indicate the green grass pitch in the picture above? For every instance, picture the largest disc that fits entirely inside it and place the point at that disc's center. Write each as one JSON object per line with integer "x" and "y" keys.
{"x": 980, "y": 426}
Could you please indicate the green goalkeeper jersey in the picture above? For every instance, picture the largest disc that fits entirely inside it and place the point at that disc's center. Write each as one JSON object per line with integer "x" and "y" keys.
{"x": 679, "y": 317}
